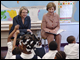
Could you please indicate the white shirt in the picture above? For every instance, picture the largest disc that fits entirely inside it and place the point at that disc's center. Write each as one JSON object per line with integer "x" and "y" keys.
{"x": 72, "y": 51}
{"x": 39, "y": 46}
{"x": 9, "y": 52}
{"x": 25, "y": 56}
{"x": 50, "y": 54}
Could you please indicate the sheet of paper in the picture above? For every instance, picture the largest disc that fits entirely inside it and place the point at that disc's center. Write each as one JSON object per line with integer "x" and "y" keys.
{"x": 66, "y": 11}
{"x": 61, "y": 30}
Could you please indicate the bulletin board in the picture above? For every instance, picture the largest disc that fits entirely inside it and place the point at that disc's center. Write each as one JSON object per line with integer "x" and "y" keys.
{"x": 68, "y": 11}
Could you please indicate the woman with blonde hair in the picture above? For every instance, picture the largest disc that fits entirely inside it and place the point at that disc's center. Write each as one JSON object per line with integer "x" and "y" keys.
{"x": 50, "y": 23}
{"x": 22, "y": 20}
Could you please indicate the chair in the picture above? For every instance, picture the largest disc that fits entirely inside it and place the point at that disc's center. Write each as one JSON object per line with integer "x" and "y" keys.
{"x": 10, "y": 25}
{"x": 43, "y": 38}
{"x": 44, "y": 41}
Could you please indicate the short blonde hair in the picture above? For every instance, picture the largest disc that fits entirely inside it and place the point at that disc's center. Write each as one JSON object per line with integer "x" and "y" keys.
{"x": 23, "y": 8}
{"x": 49, "y": 5}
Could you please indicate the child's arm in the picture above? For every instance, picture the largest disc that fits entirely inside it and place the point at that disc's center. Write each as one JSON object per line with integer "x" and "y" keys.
{"x": 9, "y": 52}
{"x": 14, "y": 42}
{"x": 11, "y": 34}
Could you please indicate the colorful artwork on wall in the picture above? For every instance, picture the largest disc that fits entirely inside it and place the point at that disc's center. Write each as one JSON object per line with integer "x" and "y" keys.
{"x": 9, "y": 9}
{"x": 36, "y": 10}
{"x": 65, "y": 11}
{"x": 8, "y": 15}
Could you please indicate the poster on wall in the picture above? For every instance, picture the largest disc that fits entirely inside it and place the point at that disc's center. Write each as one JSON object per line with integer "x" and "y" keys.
{"x": 9, "y": 9}
{"x": 66, "y": 11}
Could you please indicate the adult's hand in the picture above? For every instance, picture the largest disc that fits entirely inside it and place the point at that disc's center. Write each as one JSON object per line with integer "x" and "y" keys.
{"x": 29, "y": 31}
{"x": 53, "y": 31}
{"x": 16, "y": 27}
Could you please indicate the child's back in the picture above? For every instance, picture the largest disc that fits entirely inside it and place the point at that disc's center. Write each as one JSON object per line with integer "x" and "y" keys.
{"x": 52, "y": 51}
{"x": 40, "y": 52}
{"x": 72, "y": 49}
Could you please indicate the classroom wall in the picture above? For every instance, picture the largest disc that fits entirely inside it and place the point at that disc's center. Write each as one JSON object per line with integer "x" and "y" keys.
{"x": 36, "y": 9}
{"x": 75, "y": 14}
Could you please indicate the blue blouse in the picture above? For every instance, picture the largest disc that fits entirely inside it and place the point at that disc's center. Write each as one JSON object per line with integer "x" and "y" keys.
{"x": 22, "y": 27}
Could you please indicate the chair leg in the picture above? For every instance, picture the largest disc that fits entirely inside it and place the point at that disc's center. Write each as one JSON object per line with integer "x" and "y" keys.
{"x": 44, "y": 42}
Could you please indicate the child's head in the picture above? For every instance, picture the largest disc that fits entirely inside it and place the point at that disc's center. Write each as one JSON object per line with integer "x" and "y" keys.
{"x": 71, "y": 39}
{"x": 60, "y": 55}
{"x": 28, "y": 42}
{"x": 53, "y": 45}
{"x": 16, "y": 50}
{"x": 38, "y": 41}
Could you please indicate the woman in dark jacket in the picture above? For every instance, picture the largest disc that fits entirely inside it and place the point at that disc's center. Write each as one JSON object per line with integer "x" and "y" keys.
{"x": 22, "y": 20}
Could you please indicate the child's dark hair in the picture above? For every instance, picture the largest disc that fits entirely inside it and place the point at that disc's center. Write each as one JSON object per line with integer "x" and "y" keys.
{"x": 60, "y": 55}
{"x": 70, "y": 39}
{"x": 17, "y": 42}
{"x": 52, "y": 45}
{"x": 16, "y": 50}
{"x": 29, "y": 40}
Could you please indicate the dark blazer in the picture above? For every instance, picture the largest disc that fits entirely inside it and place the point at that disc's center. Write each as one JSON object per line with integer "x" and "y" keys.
{"x": 22, "y": 27}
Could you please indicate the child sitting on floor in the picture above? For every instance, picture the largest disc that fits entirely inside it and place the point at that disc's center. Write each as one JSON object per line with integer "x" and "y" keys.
{"x": 72, "y": 49}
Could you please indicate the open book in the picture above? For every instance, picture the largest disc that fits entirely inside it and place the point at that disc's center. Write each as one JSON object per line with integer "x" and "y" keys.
{"x": 59, "y": 31}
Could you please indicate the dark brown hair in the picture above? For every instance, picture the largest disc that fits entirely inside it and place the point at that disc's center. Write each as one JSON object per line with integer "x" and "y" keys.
{"x": 70, "y": 39}
{"x": 60, "y": 55}
{"x": 51, "y": 4}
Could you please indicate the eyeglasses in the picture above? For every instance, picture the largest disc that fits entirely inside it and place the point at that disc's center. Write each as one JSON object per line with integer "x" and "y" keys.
{"x": 24, "y": 12}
